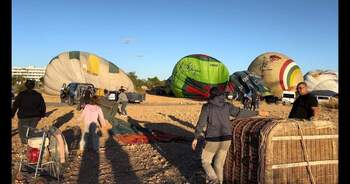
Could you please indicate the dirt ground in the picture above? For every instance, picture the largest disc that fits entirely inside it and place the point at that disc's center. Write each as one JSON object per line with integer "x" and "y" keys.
{"x": 172, "y": 162}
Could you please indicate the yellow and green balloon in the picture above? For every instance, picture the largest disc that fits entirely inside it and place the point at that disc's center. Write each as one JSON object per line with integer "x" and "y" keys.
{"x": 83, "y": 67}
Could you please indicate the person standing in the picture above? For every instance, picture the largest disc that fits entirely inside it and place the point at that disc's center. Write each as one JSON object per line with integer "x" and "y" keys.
{"x": 306, "y": 105}
{"x": 247, "y": 98}
{"x": 91, "y": 115}
{"x": 110, "y": 107}
{"x": 88, "y": 93}
{"x": 31, "y": 108}
{"x": 85, "y": 97}
{"x": 255, "y": 101}
{"x": 106, "y": 93}
{"x": 123, "y": 100}
{"x": 63, "y": 92}
{"x": 215, "y": 115}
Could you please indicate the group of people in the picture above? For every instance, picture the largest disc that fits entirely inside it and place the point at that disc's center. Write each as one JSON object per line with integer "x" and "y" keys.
{"x": 31, "y": 108}
{"x": 251, "y": 100}
{"x": 94, "y": 120}
{"x": 215, "y": 128}
{"x": 213, "y": 124}
{"x": 121, "y": 99}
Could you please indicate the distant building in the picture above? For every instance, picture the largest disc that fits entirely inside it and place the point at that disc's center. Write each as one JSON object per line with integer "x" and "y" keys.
{"x": 30, "y": 72}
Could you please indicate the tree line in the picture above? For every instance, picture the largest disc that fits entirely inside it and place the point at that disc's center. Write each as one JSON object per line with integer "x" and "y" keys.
{"x": 140, "y": 84}
{"x": 150, "y": 82}
{"x": 17, "y": 83}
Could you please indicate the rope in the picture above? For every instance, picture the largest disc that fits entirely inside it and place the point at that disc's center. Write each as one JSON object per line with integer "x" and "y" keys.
{"x": 306, "y": 156}
{"x": 264, "y": 132}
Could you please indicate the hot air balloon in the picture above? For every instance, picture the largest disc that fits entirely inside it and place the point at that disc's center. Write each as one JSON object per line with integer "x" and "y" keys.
{"x": 244, "y": 81}
{"x": 322, "y": 80}
{"x": 83, "y": 67}
{"x": 194, "y": 75}
{"x": 279, "y": 72}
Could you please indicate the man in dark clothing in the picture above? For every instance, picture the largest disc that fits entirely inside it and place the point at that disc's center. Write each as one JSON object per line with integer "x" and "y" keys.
{"x": 255, "y": 101}
{"x": 247, "y": 98}
{"x": 215, "y": 115}
{"x": 305, "y": 106}
{"x": 106, "y": 93}
{"x": 31, "y": 108}
{"x": 88, "y": 93}
{"x": 85, "y": 97}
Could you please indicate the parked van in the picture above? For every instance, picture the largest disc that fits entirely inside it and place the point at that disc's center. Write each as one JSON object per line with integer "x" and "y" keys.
{"x": 322, "y": 99}
{"x": 288, "y": 97}
{"x": 133, "y": 97}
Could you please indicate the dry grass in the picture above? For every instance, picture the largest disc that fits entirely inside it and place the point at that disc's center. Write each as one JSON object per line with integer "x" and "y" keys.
{"x": 332, "y": 103}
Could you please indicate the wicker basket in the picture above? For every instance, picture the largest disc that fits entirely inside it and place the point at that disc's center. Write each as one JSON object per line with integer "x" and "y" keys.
{"x": 265, "y": 150}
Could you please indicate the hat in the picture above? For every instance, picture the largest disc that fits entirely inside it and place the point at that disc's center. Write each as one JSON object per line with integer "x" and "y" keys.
{"x": 122, "y": 88}
{"x": 214, "y": 91}
{"x": 30, "y": 84}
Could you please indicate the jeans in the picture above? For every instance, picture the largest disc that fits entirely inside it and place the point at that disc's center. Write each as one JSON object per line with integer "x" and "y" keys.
{"x": 122, "y": 109}
{"x": 246, "y": 104}
{"x": 217, "y": 151}
{"x": 114, "y": 110}
{"x": 22, "y": 123}
{"x": 254, "y": 106}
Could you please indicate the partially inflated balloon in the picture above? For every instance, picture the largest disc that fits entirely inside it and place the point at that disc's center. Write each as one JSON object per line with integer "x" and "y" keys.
{"x": 279, "y": 72}
{"x": 83, "y": 67}
{"x": 317, "y": 80}
{"x": 194, "y": 75}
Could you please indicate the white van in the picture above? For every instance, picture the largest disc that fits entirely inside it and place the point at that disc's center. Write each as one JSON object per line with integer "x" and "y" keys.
{"x": 288, "y": 97}
{"x": 322, "y": 99}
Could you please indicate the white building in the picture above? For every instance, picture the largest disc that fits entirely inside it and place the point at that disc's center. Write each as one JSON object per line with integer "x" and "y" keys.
{"x": 30, "y": 72}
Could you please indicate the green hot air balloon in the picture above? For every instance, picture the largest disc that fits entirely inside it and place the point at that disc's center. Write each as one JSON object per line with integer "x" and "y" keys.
{"x": 194, "y": 75}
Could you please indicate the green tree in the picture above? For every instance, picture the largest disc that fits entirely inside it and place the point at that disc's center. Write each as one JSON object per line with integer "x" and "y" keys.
{"x": 41, "y": 80}
{"x": 18, "y": 83}
{"x": 17, "y": 80}
{"x": 135, "y": 80}
{"x": 153, "y": 82}
{"x": 133, "y": 77}
{"x": 40, "y": 83}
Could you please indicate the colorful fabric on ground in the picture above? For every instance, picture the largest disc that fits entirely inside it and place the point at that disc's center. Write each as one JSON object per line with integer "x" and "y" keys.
{"x": 132, "y": 133}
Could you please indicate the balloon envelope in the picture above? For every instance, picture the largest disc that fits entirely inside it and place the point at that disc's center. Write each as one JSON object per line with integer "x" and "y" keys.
{"x": 320, "y": 80}
{"x": 83, "y": 67}
{"x": 279, "y": 72}
{"x": 244, "y": 81}
{"x": 194, "y": 75}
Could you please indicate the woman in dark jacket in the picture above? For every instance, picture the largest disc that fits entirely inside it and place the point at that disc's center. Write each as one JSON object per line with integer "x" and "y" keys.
{"x": 215, "y": 115}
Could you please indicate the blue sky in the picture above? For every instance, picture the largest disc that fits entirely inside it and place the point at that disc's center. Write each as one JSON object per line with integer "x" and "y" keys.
{"x": 150, "y": 36}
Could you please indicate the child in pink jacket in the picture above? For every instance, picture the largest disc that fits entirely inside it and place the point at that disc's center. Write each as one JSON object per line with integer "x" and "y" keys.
{"x": 91, "y": 114}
